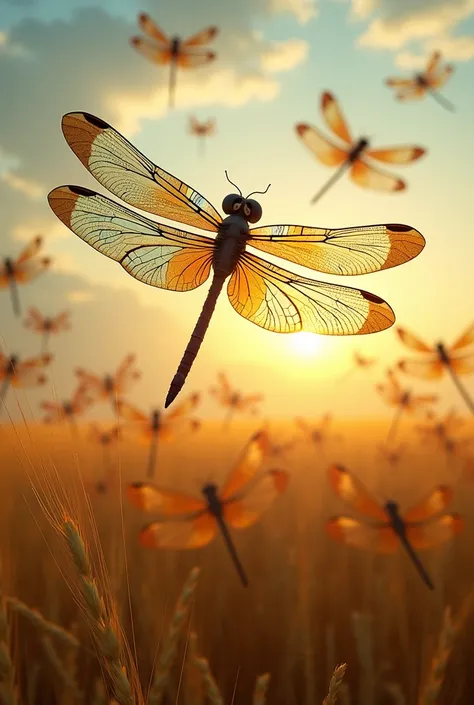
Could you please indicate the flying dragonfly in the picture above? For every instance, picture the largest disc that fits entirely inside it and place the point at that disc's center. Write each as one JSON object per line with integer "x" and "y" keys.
{"x": 392, "y": 455}
{"x": 439, "y": 358}
{"x": 106, "y": 438}
{"x": 22, "y": 270}
{"x": 186, "y": 522}
{"x": 158, "y": 426}
{"x": 317, "y": 433}
{"x": 424, "y": 526}
{"x": 110, "y": 386}
{"x": 403, "y": 399}
{"x": 232, "y": 399}
{"x": 201, "y": 130}
{"x": 163, "y": 256}
{"x": 353, "y": 155}
{"x": 174, "y": 51}
{"x": 47, "y": 325}
{"x": 68, "y": 409}
{"x": 360, "y": 363}
{"x": 428, "y": 81}
{"x": 22, "y": 373}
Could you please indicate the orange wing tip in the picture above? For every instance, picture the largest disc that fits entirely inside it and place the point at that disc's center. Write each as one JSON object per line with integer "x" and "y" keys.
{"x": 400, "y": 185}
{"x": 135, "y": 41}
{"x": 418, "y": 152}
{"x": 457, "y": 522}
{"x": 62, "y": 201}
{"x": 147, "y": 537}
{"x": 136, "y": 496}
{"x": 335, "y": 529}
{"x": 280, "y": 479}
{"x": 302, "y": 128}
{"x": 326, "y": 98}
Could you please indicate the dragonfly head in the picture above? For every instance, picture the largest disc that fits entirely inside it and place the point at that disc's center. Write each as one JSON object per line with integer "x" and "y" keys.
{"x": 109, "y": 383}
{"x": 210, "y": 492}
{"x": 67, "y": 408}
{"x": 155, "y": 419}
{"x": 47, "y": 324}
{"x": 392, "y": 509}
{"x": 9, "y": 266}
{"x": 248, "y": 208}
{"x": 363, "y": 143}
{"x": 421, "y": 80}
{"x": 442, "y": 353}
{"x": 175, "y": 46}
{"x": 12, "y": 362}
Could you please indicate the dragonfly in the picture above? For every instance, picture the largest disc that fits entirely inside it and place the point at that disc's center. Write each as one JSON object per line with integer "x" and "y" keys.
{"x": 201, "y": 130}
{"x": 439, "y": 358}
{"x": 26, "y": 267}
{"x": 423, "y": 526}
{"x": 392, "y": 455}
{"x": 158, "y": 426}
{"x": 232, "y": 399}
{"x": 106, "y": 438}
{"x": 404, "y": 400}
{"x": 353, "y": 155}
{"x": 68, "y": 409}
{"x": 318, "y": 433}
{"x": 186, "y": 522}
{"x": 440, "y": 428}
{"x": 426, "y": 82}
{"x": 173, "y": 51}
{"x": 360, "y": 363}
{"x": 18, "y": 373}
{"x": 163, "y": 256}
{"x": 46, "y": 325}
{"x": 110, "y": 386}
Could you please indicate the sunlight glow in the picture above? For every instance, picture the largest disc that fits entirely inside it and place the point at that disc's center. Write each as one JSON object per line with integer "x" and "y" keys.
{"x": 305, "y": 344}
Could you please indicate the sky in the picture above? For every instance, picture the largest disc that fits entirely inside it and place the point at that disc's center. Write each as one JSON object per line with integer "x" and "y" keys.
{"x": 274, "y": 59}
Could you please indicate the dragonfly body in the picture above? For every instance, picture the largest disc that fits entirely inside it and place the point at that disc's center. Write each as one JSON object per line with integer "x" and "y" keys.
{"x": 358, "y": 150}
{"x": 399, "y": 527}
{"x": 9, "y": 270}
{"x": 230, "y": 241}
{"x": 155, "y": 421}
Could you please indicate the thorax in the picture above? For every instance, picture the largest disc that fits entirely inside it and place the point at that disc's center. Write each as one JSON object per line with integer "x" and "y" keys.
{"x": 229, "y": 244}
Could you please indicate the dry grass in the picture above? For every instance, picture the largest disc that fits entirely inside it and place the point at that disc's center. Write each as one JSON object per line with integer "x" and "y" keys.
{"x": 310, "y": 605}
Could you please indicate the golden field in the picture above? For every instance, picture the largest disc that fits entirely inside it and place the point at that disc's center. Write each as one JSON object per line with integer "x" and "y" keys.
{"x": 311, "y": 604}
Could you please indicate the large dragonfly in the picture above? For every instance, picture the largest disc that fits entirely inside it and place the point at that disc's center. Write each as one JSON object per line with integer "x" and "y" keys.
{"x": 423, "y": 526}
{"x": 163, "y": 256}
{"x": 158, "y": 48}
{"x": 428, "y": 81}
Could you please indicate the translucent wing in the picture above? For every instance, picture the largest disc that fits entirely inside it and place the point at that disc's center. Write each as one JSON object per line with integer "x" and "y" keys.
{"x": 341, "y": 251}
{"x": 30, "y": 250}
{"x": 412, "y": 93}
{"x": 126, "y": 374}
{"x": 334, "y": 118}
{"x": 433, "y": 62}
{"x": 396, "y": 155}
{"x": 128, "y": 174}
{"x": 284, "y": 302}
{"x": 442, "y": 76}
{"x": 436, "y": 532}
{"x": 93, "y": 384}
{"x": 248, "y": 465}
{"x": 434, "y": 503}
{"x": 251, "y": 504}
{"x": 467, "y": 338}
{"x": 354, "y": 493}
{"x": 462, "y": 365}
{"x": 179, "y": 535}
{"x": 412, "y": 341}
{"x": 368, "y": 176}
{"x": 190, "y": 60}
{"x": 34, "y": 319}
{"x": 166, "y": 503}
{"x": 377, "y": 539}
{"x": 184, "y": 408}
{"x": 61, "y": 322}
{"x": 27, "y": 271}
{"x": 322, "y": 148}
{"x": 152, "y": 52}
{"x": 156, "y": 254}
{"x": 29, "y": 372}
{"x": 131, "y": 413}
{"x": 425, "y": 369}
{"x": 150, "y": 27}
{"x": 202, "y": 37}
{"x": 400, "y": 82}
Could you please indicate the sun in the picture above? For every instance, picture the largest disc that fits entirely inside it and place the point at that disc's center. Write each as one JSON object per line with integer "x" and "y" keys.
{"x": 305, "y": 344}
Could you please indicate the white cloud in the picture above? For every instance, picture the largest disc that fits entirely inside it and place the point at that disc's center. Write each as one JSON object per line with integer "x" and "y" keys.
{"x": 80, "y": 296}
{"x": 453, "y": 48}
{"x": 11, "y": 48}
{"x": 284, "y": 56}
{"x": 303, "y": 10}
{"x": 409, "y": 61}
{"x": 26, "y": 186}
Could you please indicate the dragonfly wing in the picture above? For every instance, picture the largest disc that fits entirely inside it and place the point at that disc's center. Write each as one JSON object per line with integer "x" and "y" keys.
{"x": 179, "y": 535}
{"x": 412, "y": 341}
{"x": 151, "y": 51}
{"x": 150, "y": 27}
{"x": 203, "y": 37}
{"x": 435, "y": 532}
{"x": 467, "y": 338}
{"x": 322, "y": 148}
{"x": 284, "y": 302}
{"x": 438, "y": 80}
{"x": 126, "y": 374}
{"x": 128, "y": 174}
{"x": 333, "y": 117}
{"x": 34, "y": 319}
{"x": 354, "y": 493}
{"x": 131, "y": 413}
{"x": 156, "y": 254}
{"x": 29, "y": 372}
{"x": 249, "y": 505}
{"x": 191, "y": 60}
{"x": 184, "y": 408}
{"x": 462, "y": 365}
{"x": 340, "y": 251}
{"x": 433, "y": 62}
{"x": 434, "y": 503}
{"x": 376, "y": 539}
{"x": 400, "y": 82}
{"x": 28, "y": 271}
{"x": 368, "y": 176}
{"x": 248, "y": 465}
{"x": 167, "y": 503}
{"x": 396, "y": 155}
{"x": 424, "y": 369}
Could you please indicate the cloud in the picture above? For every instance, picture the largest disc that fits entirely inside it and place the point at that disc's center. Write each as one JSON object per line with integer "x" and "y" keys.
{"x": 285, "y": 55}
{"x": 303, "y": 10}
{"x": 19, "y": 183}
{"x": 8, "y": 47}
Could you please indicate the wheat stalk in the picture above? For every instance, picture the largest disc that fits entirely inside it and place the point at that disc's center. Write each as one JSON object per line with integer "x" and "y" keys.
{"x": 212, "y": 691}
{"x": 334, "y": 684}
{"x": 7, "y": 672}
{"x": 168, "y": 652}
{"x": 260, "y": 691}
{"x": 102, "y": 625}
{"x": 68, "y": 681}
{"x": 41, "y": 623}
{"x": 430, "y": 692}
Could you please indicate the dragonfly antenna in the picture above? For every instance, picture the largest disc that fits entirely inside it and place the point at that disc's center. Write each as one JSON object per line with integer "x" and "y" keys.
{"x": 231, "y": 182}
{"x": 251, "y": 194}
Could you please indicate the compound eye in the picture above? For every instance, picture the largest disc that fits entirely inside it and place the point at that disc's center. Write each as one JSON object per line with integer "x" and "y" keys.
{"x": 247, "y": 210}
{"x": 231, "y": 203}
{"x": 236, "y": 206}
{"x": 255, "y": 210}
